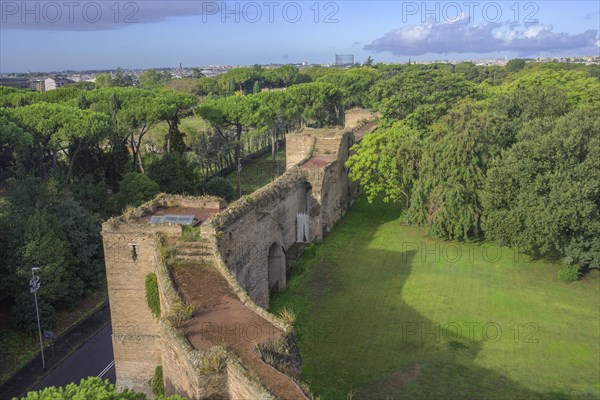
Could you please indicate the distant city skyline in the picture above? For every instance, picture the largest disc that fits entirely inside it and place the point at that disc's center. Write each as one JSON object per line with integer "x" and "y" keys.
{"x": 44, "y": 36}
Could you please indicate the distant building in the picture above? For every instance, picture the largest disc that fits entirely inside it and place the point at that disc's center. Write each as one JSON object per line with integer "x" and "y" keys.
{"x": 54, "y": 83}
{"x": 344, "y": 60}
{"x": 37, "y": 85}
{"x": 17, "y": 83}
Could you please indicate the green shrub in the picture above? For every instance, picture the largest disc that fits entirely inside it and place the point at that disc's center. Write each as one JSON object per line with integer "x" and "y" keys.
{"x": 134, "y": 190}
{"x": 90, "y": 388}
{"x": 152, "y": 298}
{"x": 174, "y": 174}
{"x": 213, "y": 360}
{"x": 91, "y": 195}
{"x": 569, "y": 274}
{"x": 25, "y": 317}
{"x": 287, "y": 315}
{"x": 220, "y": 187}
{"x": 190, "y": 233}
{"x": 157, "y": 384}
{"x": 179, "y": 314}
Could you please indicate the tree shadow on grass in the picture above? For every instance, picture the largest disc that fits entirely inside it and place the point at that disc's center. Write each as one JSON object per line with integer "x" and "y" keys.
{"x": 357, "y": 334}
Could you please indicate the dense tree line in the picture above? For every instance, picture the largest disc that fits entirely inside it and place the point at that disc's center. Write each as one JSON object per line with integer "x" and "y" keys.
{"x": 509, "y": 154}
{"x": 41, "y": 227}
{"x": 76, "y": 155}
{"x": 511, "y": 157}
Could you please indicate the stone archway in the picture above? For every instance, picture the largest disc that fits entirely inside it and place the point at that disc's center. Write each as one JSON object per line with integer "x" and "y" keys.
{"x": 276, "y": 268}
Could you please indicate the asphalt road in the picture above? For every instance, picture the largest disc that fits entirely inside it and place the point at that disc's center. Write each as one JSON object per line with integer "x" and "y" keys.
{"x": 94, "y": 358}
{"x": 84, "y": 350}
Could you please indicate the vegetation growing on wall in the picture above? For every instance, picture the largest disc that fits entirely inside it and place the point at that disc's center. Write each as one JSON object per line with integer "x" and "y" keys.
{"x": 157, "y": 382}
{"x": 152, "y": 296}
{"x": 190, "y": 233}
{"x": 213, "y": 360}
{"x": 282, "y": 354}
{"x": 179, "y": 313}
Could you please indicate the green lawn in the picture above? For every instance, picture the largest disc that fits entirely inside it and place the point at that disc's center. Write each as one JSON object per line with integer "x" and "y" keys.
{"x": 257, "y": 173}
{"x": 386, "y": 312}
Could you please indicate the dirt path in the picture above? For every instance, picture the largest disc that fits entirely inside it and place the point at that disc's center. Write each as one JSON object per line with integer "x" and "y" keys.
{"x": 221, "y": 319}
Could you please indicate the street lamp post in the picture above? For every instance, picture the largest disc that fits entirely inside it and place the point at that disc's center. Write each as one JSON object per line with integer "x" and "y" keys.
{"x": 34, "y": 286}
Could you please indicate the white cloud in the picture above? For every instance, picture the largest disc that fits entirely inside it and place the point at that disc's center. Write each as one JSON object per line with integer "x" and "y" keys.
{"x": 415, "y": 33}
{"x": 534, "y": 30}
{"x": 467, "y": 37}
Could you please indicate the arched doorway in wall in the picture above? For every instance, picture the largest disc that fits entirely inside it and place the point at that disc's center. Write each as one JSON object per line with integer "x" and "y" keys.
{"x": 276, "y": 268}
{"x": 302, "y": 218}
{"x": 307, "y": 196}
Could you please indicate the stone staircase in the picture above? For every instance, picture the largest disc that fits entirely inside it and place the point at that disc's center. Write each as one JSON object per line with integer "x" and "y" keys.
{"x": 195, "y": 252}
{"x": 325, "y": 146}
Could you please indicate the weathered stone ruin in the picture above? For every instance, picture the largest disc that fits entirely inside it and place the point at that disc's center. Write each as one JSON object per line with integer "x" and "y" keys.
{"x": 214, "y": 279}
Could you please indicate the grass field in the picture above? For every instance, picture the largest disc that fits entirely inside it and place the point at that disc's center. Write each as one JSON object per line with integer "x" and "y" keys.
{"x": 257, "y": 173}
{"x": 383, "y": 312}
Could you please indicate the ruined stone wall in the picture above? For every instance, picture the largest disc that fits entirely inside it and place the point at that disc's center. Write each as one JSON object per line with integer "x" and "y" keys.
{"x": 176, "y": 352}
{"x": 241, "y": 386}
{"x": 337, "y": 187}
{"x": 298, "y": 148}
{"x": 135, "y": 331}
{"x": 241, "y": 237}
{"x": 356, "y": 115}
{"x": 316, "y": 178}
{"x": 185, "y": 371}
{"x": 250, "y": 226}
{"x": 331, "y": 198}
{"x": 182, "y": 369}
{"x": 332, "y": 191}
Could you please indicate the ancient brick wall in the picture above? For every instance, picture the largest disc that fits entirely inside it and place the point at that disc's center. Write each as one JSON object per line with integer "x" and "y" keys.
{"x": 337, "y": 187}
{"x": 135, "y": 331}
{"x": 356, "y": 115}
{"x": 182, "y": 372}
{"x": 249, "y": 229}
{"x": 298, "y": 148}
{"x": 241, "y": 386}
{"x": 243, "y": 238}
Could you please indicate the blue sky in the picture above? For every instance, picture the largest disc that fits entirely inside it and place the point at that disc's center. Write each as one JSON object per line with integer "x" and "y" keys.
{"x": 72, "y": 34}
